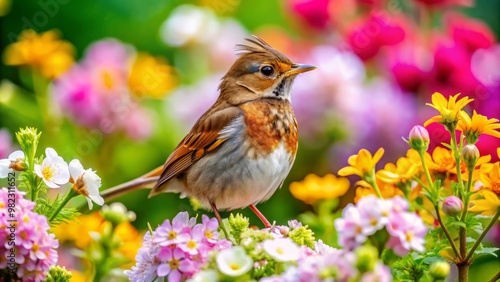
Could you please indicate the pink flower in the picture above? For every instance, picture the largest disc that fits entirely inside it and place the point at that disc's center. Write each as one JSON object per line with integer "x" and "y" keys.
{"x": 375, "y": 31}
{"x": 314, "y": 13}
{"x": 352, "y": 234}
{"x": 444, "y": 3}
{"x": 210, "y": 226}
{"x": 6, "y": 146}
{"x": 173, "y": 233}
{"x": 174, "y": 264}
{"x": 407, "y": 232}
{"x": 470, "y": 33}
{"x": 194, "y": 245}
{"x": 34, "y": 246}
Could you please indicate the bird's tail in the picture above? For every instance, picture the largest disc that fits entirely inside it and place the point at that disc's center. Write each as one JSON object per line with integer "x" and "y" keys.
{"x": 146, "y": 181}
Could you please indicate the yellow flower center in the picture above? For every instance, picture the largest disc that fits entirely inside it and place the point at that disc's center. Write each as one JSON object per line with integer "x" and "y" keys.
{"x": 2, "y": 205}
{"x": 174, "y": 263}
{"x": 23, "y": 235}
{"x": 47, "y": 172}
{"x": 191, "y": 244}
{"x": 409, "y": 236}
{"x": 172, "y": 235}
{"x": 280, "y": 250}
{"x": 36, "y": 247}
{"x": 234, "y": 266}
{"x": 373, "y": 221}
{"x": 107, "y": 80}
{"x": 208, "y": 234}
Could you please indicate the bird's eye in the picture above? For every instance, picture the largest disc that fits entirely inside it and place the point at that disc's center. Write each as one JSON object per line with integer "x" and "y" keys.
{"x": 267, "y": 70}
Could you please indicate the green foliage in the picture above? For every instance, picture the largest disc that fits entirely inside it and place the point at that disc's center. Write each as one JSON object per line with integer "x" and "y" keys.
{"x": 303, "y": 236}
{"x": 48, "y": 208}
{"x": 58, "y": 274}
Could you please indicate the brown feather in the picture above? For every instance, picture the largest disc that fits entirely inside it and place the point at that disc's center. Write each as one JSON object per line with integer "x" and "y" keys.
{"x": 203, "y": 139}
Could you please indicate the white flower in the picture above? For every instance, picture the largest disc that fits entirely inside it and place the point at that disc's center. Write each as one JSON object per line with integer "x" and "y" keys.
{"x": 118, "y": 210}
{"x": 54, "y": 170}
{"x": 86, "y": 182}
{"x": 198, "y": 25}
{"x": 5, "y": 164}
{"x": 234, "y": 262}
{"x": 208, "y": 275}
{"x": 282, "y": 249}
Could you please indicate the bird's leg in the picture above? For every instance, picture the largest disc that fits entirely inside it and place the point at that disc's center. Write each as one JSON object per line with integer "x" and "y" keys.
{"x": 266, "y": 222}
{"x": 221, "y": 224}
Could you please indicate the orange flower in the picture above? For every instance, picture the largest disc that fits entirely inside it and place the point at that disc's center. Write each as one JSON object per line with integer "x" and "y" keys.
{"x": 151, "y": 76}
{"x": 442, "y": 161}
{"x": 488, "y": 206}
{"x": 44, "y": 52}
{"x": 448, "y": 109}
{"x": 490, "y": 177}
{"x": 314, "y": 188}
{"x": 477, "y": 125}
{"x": 362, "y": 164}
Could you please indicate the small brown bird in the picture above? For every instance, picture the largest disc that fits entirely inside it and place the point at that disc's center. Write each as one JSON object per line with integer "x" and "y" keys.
{"x": 242, "y": 148}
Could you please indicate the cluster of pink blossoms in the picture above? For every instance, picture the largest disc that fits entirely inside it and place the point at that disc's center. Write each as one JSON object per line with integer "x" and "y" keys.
{"x": 177, "y": 250}
{"x": 325, "y": 262}
{"x": 371, "y": 214}
{"x": 26, "y": 246}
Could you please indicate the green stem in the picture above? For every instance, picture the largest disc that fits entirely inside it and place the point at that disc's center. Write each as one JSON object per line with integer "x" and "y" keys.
{"x": 426, "y": 170}
{"x": 466, "y": 196}
{"x": 481, "y": 237}
{"x": 456, "y": 155}
{"x": 446, "y": 233}
{"x": 72, "y": 193}
{"x": 495, "y": 278}
{"x": 371, "y": 179}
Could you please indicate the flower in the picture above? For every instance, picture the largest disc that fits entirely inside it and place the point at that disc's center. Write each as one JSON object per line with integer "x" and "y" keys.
{"x": 234, "y": 262}
{"x": 439, "y": 269}
{"x": 151, "y": 76}
{"x": 13, "y": 163}
{"x": 86, "y": 182}
{"x": 352, "y": 230}
{"x": 34, "y": 246}
{"x": 208, "y": 275}
{"x": 6, "y": 145}
{"x": 419, "y": 138}
{"x": 477, "y": 125}
{"x": 314, "y": 188}
{"x": 489, "y": 175}
{"x": 488, "y": 206}
{"x": 44, "y": 52}
{"x": 282, "y": 249}
{"x": 452, "y": 206}
{"x": 54, "y": 170}
{"x": 470, "y": 155}
{"x": 448, "y": 109}
{"x": 174, "y": 263}
{"x": 442, "y": 161}
{"x": 407, "y": 232}
{"x": 362, "y": 164}
{"x": 314, "y": 13}
{"x": 404, "y": 170}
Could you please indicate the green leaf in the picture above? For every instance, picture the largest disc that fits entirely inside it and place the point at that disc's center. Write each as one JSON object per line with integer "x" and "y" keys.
{"x": 486, "y": 251}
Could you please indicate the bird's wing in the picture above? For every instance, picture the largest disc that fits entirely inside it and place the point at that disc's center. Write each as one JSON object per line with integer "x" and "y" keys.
{"x": 203, "y": 138}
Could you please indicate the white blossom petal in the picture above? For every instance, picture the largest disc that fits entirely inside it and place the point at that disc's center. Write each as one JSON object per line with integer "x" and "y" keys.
{"x": 16, "y": 155}
{"x": 4, "y": 168}
{"x": 76, "y": 169}
{"x": 50, "y": 153}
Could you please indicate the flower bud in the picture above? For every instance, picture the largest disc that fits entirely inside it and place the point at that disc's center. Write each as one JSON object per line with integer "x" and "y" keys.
{"x": 117, "y": 213}
{"x": 452, "y": 206}
{"x": 367, "y": 257}
{"x": 439, "y": 270}
{"x": 58, "y": 273}
{"x": 470, "y": 155}
{"x": 419, "y": 138}
{"x": 28, "y": 139}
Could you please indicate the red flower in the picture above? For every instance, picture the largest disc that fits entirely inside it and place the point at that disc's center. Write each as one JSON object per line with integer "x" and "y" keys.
{"x": 313, "y": 12}
{"x": 470, "y": 33}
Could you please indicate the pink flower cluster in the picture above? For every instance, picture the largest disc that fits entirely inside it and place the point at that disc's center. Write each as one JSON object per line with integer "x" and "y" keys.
{"x": 95, "y": 93}
{"x": 325, "y": 262}
{"x": 176, "y": 250}
{"x": 372, "y": 214}
{"x": 26, "y": 245}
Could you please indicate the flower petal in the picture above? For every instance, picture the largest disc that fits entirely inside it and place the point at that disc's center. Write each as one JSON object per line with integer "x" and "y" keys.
{"x": 75, "y": 169}
{"x": 16, "y": 155}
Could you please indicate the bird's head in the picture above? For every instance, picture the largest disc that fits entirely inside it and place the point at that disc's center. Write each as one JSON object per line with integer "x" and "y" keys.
{"x": 259, "y": 72}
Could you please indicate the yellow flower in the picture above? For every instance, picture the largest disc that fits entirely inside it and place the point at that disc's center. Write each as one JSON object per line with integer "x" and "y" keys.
{"x": 362, "y": 164}
{"x": 130, "y": 240}
{"x": 448, "y": 109}
{"x": 151, "y": 76}
{"x": 475, "y": 174}
{"x": 387, "y": 190}
{"x": 488, "y": 206}
{"x": 78, "y": 231}
{"x": 477, "y": 125}
{"x": 314, "y": 188}
{"x": 490, "y": 177}
{"x": 44, "y": 52}
{"x": 404, "y": 170}
{"x": 442, "y": 161}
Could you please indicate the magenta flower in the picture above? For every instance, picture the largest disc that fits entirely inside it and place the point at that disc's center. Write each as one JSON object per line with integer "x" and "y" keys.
{"x": 174, "y": 264}
{"x": 210, "y": 226}
{"x": 34, "y": 246}
{"x": 314, "y": 13}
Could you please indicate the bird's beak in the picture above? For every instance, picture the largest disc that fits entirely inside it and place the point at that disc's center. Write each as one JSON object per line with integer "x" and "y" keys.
{"x": 300, "y": 68}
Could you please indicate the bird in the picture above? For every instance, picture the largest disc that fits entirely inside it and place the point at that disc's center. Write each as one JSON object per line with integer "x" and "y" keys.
{"x": 242, "y": 148}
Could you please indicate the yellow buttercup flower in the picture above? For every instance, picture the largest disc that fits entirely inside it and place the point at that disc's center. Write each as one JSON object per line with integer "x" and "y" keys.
{"x": 448, "y": 109}
{"x": 404, "y": 170}
{"x": 362, "y": 164}
{"x": 488, "y": 206}
{"x": 44, "y": 52}
{"x": 387, "y": 190}
{"x": 474, "y": 126}
{"x": 151, "y": 76}
{"x": 314, "y": 188}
